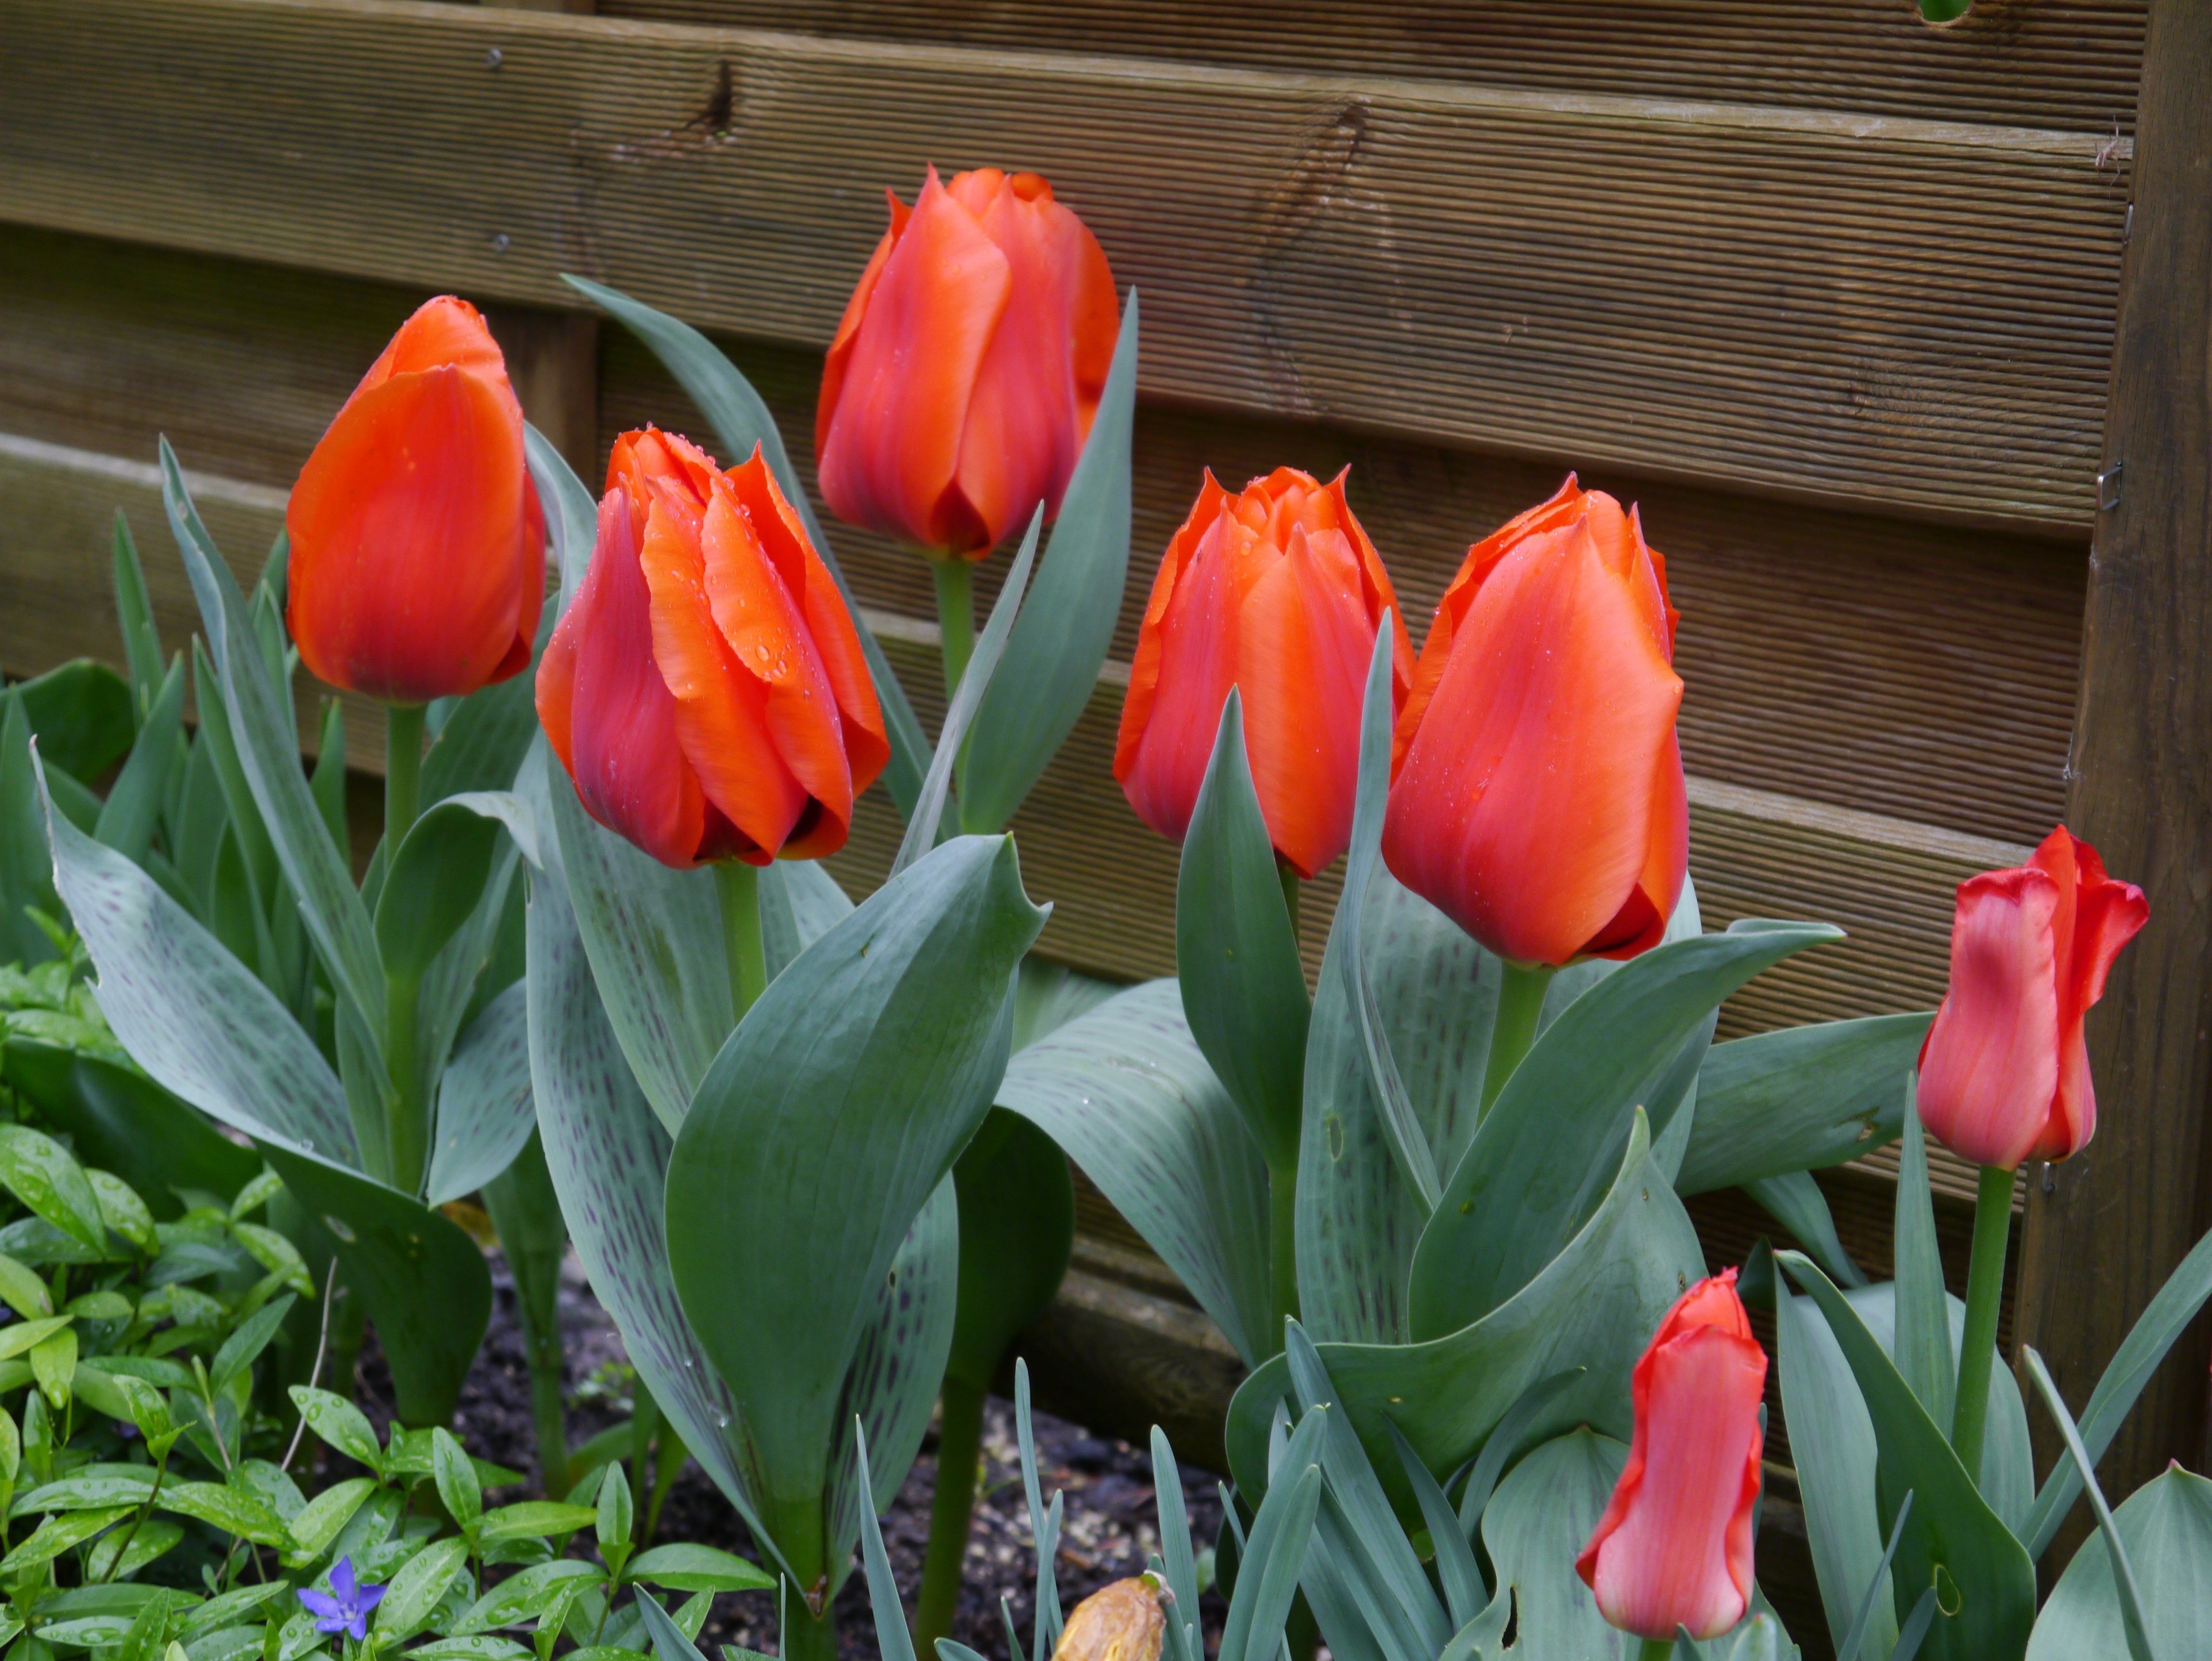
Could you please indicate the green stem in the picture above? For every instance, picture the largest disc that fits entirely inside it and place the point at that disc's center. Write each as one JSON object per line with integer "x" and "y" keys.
{"x": 1655, "y": 1649}
{"x": 1283, "y": 1242}
{"x": 406, "y": 1119}
{"x": 956, "y": 617}
{"x": 806, "y": 1636}
{"x": 737, "y": 885}
{"x": 1985, "y": 1290}
{"x": 403, "y": 773}
{"x": 959, "y": 1438}
{"x": 1520, "y": 1008}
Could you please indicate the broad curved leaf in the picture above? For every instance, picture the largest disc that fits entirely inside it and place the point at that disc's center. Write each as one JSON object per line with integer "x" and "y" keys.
{"x": 844, "y": 1096}
{"x": 1538, "y": 1163}
{"x": 484, "y": 1114}
{"x": 1017, "y": 1231}
{"x": 1593, "y": 1306}
{"x": 123, "y": 1122}
{"x": 1124, "y": 1091}
{"x": 1534, "y": 1528}
{"x": 1800, "y": 1099}
{"x": 2167, "y": 1525}
{"x": 1236, "y": 954}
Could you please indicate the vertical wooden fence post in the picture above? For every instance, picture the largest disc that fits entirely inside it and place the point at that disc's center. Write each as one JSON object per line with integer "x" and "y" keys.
{"x": 2104, "y": 1230}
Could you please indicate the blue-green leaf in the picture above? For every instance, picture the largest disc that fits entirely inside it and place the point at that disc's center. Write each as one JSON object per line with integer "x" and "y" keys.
{"x": 1236, "y": 954}
{"x": 2166, "y": 1527}
{"x": 1059, "y": 640}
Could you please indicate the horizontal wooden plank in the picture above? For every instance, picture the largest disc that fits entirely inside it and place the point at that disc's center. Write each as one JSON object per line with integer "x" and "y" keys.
{"x": 1916, "y": 671}
{"x": 2047, "y": 65}
{"x": 1908, "y": 314}
{"x": 1920, "y": 671}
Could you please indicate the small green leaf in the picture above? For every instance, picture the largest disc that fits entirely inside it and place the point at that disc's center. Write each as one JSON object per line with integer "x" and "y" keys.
{"x": 320, "y": 1519}
{"x": 255, "y": 1194}
{"x": 525, "y": 1595}
{"x": 240, "y": 1349}
{"x": 456, "y": 1478}
{"x": 477, "y": 1647}
{"x": 414, "y": 1591}
{"x": 227, "y": 1508}
{"x": 276, "y": 1254}
{"x": 615, "y": 1515}
{"x": 339, "y": 1423}
{"x": 24, "y": 1291}
{"x": 53, "y": 1364}
{"x": 116, "y": 1558}
{"x": 536, "y": 1517}
{"x": 58, "y": 1534}
{"x": 28, "y": 1334}
{"x": 41, "y": 1173}
{"x": 686, "y": 1566}
{"x": 83, "y": 1491}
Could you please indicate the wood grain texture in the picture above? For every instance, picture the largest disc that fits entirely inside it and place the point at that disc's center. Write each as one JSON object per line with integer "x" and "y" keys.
{"x": 2107, "y": 1227}
{"x": 2028, "y": 63}
{"x": 1853, "y": 308}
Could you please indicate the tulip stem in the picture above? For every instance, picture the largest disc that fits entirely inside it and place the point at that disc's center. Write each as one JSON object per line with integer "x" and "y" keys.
{"x": 1655, "y": 1649}
{"x": 956, "y": 617}
{"x": 952, "y": 1510}
{"x": 403, "y": 773}
{"x": 1520, "y": 1009}
{"x": 1985, "y": 1290}
{"x": 737, "y": 887}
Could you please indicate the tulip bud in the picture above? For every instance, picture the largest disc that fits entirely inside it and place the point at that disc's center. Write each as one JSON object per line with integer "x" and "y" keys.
{"x": 1673, "y": 1547}
{"x": 2004, "y": 1076}
{"x": 1538, "y": 797}
{"x": 1277, "y": 592}
{"x": 706, "y": 690}
{"x": 1121, "y": 1622}
{"x": 418, "y": 560}
{"x": 965, "y": 372}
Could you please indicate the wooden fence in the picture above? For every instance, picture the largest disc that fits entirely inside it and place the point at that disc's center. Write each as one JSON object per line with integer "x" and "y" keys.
{"x": 1858, "y": 310}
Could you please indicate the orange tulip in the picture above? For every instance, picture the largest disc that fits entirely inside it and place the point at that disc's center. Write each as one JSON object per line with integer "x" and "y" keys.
{"x": 706, "y": 688}
{"x": 1277, "y": 592}
{"x": 417, "y": 548}
{"x": 1674, "y": 1547}
{"x": 2004, "y": 1074}
{"x": 968, "y": 364}
{"x": 1538, "y": 798}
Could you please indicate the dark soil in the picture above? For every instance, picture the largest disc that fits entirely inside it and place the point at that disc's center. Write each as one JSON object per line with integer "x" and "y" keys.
{"x": 1111, "y": 1521}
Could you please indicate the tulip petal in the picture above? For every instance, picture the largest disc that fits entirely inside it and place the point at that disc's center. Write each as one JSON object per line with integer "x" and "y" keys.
{"x": 447, "y": 332}
{"x": 827, "y": 625}
{"x": 1990, "y": 1069}
{"x": 1524, "y": 807}
{"x": 1152, "y": 632}
{"x": 408, "y": 581}
{"x": 721, "y": 708}
{"x": 1674, "y": 1548}
{"x": 894, "y": 442}
{"x": 1197, "y": 666}
{"x": 607, "y": 711}
{"x": 840, "y": 354}
{"x": 1301, "y": 665}
{"x": 1030, "y": 413}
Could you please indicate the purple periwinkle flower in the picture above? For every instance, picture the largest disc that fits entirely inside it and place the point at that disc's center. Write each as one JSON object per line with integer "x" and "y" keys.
{"x": 345, "y": 1607}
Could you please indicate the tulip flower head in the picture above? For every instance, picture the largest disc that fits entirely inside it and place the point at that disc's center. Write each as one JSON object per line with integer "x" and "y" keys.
{"x": 2004, "y": 1074}
{"x": 1277, "y": 592}
{"x": 706, "y": 688}
{"x": 1538, "y": 797}
{"x": 1674, "y": 1547}
{"x": 418, "y": 560}
{"x": 967, "y": 369}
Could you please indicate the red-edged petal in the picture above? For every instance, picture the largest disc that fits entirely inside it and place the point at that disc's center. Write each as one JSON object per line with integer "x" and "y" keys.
{"x": 1524, "y": 807}
{"x": 1989, "y": 1067}
{"x": 1028, "y": 417}
{"x": 408, "y": 581}
{"x": 1674, "y": 1547}
{"x": 1303, "y": 644}
{"x": 848, "y": 326}
{"x": 608, "y": 713}
{"x": 721, "y": 710}
{"x": 894, "y": 443}
{"x": 1151, "y": 629}
{"x": 1196, "y": 665}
